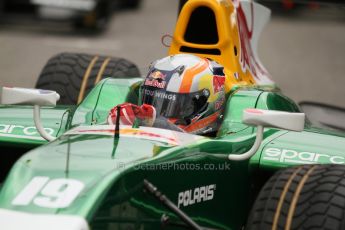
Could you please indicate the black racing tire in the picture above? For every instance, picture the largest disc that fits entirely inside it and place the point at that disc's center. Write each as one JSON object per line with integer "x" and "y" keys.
{"x": 305, "y": 197}
{"x": 73, "y": 75}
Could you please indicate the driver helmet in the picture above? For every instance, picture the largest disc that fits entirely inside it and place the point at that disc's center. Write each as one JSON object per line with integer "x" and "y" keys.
{"x": 187, "y": 90}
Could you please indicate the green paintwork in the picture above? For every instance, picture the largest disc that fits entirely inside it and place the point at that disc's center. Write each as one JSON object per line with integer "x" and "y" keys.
{"x": 17, "y": 125}
{"x": 107, "y": 94}
{"x": 112, "y": 170}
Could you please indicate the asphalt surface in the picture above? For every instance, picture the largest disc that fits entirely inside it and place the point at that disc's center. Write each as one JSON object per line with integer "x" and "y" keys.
{"x": 304, "y": 53}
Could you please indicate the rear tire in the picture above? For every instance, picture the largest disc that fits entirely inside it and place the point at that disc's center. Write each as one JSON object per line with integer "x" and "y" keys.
{"x": 73, "y": 75}
{"x": 305, "y": 197}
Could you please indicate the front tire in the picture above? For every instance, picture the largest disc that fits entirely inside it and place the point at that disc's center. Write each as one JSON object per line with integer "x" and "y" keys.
{"x": 73, "y": 75}
{"x": 305, "y": 197}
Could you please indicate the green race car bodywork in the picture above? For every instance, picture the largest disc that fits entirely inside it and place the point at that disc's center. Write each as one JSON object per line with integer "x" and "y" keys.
{"x": 99, "y": 173}
{"x": 89, "y": 172}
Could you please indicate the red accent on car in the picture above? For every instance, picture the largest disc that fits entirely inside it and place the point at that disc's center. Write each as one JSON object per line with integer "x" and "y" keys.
{"x": 254, "y": 111}
{"x": 247, "y": 57}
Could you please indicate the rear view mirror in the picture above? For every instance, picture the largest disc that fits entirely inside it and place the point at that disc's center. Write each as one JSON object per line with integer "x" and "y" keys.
{"x": 23, "y": 96}
{"x": 35, "y": 97}
{"x": 274, "y": 119}
{"x": 268, "y": 118}
{"x": 323, "y": 115}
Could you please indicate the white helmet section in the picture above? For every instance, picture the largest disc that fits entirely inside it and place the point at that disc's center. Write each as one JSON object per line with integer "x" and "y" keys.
{"x": 191, "y": 67}
{"x": 252, "y": 18}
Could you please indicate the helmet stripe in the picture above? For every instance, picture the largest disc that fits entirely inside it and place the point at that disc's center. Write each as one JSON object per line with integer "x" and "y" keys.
{"x": 190, "y": 74}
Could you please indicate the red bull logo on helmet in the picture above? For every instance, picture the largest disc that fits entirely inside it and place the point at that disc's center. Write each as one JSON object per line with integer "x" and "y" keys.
{"x": 157, "y": 75}
{"x": 156, "y": 79}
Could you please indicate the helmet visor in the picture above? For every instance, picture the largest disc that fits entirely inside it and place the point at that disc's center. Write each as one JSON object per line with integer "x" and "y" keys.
{"x": 175, "y": 105}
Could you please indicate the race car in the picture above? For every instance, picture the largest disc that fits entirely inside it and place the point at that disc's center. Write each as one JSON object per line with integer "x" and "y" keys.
{"x": 266, "y": 167}
{"x": 92, "y": 14}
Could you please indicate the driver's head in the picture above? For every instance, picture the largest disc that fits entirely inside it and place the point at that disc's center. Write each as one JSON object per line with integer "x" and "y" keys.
{"x": 187, "y": 90}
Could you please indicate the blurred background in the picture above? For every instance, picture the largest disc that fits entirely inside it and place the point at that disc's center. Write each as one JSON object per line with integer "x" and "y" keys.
{"x": 303, "y": 46}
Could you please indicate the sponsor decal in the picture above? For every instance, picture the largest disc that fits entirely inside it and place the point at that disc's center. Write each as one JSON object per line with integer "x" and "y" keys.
{"x": 20, "y": 131}
{"x": 157, "y": 75}
{"x": 156, "y": 79}
{"x": 159, "y": 94}
{"x": 219, "y": 103}
{"x": 218, "y": 83}
{"x": 247, "y": 23}
{"x": 165, "y": 136}
{"x": 134, "y": 133}
{"x": 155, "y": 83}
{"x": 147, "y": 133}
{"x": 49, "y": 193}
{"x": 292, "y": 156}
{"x": 196, "y": 195}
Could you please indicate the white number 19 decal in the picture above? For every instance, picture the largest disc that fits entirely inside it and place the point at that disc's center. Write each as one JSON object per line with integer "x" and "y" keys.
{"x": 55, "y": 193}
